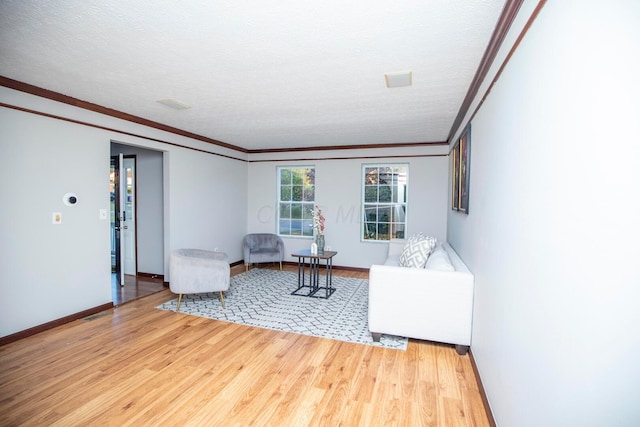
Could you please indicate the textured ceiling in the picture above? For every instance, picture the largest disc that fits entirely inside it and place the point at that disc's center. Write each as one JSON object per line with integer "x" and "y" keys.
{"x": 258, "y": 74}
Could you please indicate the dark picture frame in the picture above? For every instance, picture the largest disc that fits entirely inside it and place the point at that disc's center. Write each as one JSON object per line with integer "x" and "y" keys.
{"x": 455, "y": 184}
{"x": 461, "y": 156}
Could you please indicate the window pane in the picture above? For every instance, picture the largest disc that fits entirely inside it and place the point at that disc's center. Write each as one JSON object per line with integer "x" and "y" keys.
{"x": 398, "y": 213}
{"x": 307, "y": 228}
{"x": 370, "y": 193}
{"x": 296, "y": 193}
{"x": 371, "y": 176}
{"x": 285, "y": 176}
{"x": 298, "y": 177}
{"x": 397, "y": 231}
{"x": 285, "y": 193}
{"x": 285, "y": 210}
{"x": 296, "y": 227}
{"x": 370, "y": 231}
{"x": 310, "y": 176}
{"x": 307, "y": 211}
{"x": 309, "y": 193}
{"x": 285, "y": 227}
{"x": 383, "y": 231}
{"x": 384, "y": 193}
{"x": 394, "y": 193}
{"x": 371, "y": 213}
{"x": 296, "y": 210}
{"x": 384, "y": 176}
{"x": 384, "y": 214}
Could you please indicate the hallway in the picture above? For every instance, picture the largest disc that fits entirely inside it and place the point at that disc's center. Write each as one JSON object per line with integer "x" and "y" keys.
{"x": 134, "y": 287}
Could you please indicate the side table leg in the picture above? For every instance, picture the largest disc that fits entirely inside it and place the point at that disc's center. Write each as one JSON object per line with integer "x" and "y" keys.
{"x": 315, "y": 275}
{"x": 327, "y": 281}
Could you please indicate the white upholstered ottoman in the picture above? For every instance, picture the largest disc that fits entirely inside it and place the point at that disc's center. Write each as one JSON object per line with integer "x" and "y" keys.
{"x": 194, "y": 271}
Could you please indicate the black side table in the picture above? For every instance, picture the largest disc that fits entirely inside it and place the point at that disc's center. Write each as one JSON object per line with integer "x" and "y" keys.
{"x": 314, "y": 287}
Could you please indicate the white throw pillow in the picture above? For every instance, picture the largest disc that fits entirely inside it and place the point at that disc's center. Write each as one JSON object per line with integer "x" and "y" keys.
{"x": 416, "y": 251}
{"x": 439, "y": 260}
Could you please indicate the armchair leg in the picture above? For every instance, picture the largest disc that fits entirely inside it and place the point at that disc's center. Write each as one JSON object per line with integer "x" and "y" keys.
{"x": 246, "y": 268}
{"x": 222, "y": 299}
{"x": 280, "y": 265}
{"x": 179, "y": 299}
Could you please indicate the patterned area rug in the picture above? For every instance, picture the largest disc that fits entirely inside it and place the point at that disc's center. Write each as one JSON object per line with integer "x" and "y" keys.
{"x": 263, "y": 298}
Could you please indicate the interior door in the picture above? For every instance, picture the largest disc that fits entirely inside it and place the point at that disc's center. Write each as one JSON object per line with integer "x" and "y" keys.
{"x": 128, "y": 215}
{"x": 123, "y": 216}
{"x": 116, "y": 261}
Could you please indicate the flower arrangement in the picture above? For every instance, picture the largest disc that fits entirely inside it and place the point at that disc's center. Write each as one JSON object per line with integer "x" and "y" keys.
{"x": 318, "y": 221}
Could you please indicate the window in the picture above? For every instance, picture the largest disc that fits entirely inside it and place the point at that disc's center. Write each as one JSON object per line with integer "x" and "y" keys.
{"x": 296, "y": 201}
{"x": 384, "y": 201}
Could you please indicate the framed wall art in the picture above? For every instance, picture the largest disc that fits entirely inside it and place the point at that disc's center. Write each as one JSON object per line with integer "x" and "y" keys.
{"x": 455, "y": 184}
{"x": 460, "y": 172}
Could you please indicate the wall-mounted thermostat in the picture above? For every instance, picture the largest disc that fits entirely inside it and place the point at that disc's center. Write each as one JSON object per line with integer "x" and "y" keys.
{"x": 70, "y": 199}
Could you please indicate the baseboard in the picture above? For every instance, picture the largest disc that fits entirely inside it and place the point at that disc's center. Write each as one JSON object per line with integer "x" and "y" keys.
{"x": 335, "y": 267}
{"x": 153, "y": 276}
{"x": 483, "y": 395}
{"x": 295, "y": 264}
{"x": 54, "y": 323}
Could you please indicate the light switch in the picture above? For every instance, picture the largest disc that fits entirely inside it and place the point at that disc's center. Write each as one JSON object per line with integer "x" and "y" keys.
{"x": 103, "y": 214}
{"x": 56, "y": 218}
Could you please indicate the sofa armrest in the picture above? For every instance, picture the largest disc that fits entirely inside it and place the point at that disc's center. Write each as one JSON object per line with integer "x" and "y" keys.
{"x": 280, "y": 246}
{"x": 423, "y": 304}
{"x": 246, "y": 249}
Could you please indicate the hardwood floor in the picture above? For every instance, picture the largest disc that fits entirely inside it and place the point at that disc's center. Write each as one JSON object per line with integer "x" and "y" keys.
{"x": 134, "y": 287}
{"x": 136, "y": 365}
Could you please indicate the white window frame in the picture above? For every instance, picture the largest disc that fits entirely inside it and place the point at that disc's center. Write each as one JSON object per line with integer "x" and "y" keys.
{"x": 390, "y": 204}
{"x": 299, "y": 221}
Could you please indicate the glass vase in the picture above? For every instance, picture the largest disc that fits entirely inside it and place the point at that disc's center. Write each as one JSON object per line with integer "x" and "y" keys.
{"x": 320, "y": 243}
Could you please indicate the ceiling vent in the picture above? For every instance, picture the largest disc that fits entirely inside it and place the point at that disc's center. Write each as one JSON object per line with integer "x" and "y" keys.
{"x": 398, "y": 79}
{"x": 174, "y": 103}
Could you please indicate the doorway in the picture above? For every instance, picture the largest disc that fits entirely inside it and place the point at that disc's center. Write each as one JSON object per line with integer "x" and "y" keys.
{"x": 137, "y": 265}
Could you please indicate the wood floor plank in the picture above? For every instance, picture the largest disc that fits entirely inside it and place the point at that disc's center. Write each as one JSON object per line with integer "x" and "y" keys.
{"x": 137, "y": 365}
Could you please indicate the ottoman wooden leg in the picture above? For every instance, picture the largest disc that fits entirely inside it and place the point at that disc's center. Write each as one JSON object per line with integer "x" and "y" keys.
{"x": 222, "y": 299}
{"x": 179, "y": 299}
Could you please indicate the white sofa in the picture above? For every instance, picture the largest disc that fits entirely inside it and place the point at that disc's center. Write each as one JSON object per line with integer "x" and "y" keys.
{"x": 428, "y": 303}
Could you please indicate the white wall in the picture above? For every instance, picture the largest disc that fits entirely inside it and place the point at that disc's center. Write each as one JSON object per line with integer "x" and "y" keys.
{"x": 51, "y": 271}
{"x": 208, "y": 202}
{"x": 339, "y": 192}
{"x": 552, "y": 231}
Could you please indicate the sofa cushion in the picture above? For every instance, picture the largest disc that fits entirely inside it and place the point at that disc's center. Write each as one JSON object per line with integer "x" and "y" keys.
{"x": 416, "y": 251}
{"x": 439, "y": 260}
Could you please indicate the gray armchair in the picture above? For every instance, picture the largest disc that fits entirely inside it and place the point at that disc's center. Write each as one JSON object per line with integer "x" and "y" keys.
{"x": 262, "y": 247}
